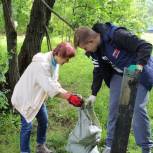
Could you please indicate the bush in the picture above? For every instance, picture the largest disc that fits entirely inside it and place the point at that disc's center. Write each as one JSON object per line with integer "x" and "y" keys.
{"x": 3, "y": 102}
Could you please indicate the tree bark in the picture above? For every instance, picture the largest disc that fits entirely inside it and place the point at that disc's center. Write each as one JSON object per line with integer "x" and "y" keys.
{"x": 12, "y": 75}
{"x": 39, "y": 19}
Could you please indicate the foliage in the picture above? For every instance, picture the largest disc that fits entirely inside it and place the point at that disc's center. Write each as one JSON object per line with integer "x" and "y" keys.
{"x": 9, "y": 135}
{"x": 3, "y": 70}
{"x": 86, "y": 13}
{"x": 3, "y": 67}
{"x": 150, "y": 12}
{"x": 1, "y": 20}
{"x": 21, "y": 12}
{"x": 3, "y": 102}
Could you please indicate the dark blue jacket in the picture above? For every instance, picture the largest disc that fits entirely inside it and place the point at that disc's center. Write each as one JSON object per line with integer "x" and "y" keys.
{"x": 118, "y": 49}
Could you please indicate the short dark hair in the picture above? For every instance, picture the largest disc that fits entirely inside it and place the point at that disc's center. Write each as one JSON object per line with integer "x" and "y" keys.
{"x": 82, "y": 35}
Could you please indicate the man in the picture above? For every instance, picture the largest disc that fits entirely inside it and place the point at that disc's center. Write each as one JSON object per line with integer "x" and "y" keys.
{"x": 111, "y": 49}
{"x": 39, "y": 81}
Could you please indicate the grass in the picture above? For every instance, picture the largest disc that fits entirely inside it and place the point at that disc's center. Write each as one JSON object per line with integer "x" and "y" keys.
{"x": 75, "y": 76}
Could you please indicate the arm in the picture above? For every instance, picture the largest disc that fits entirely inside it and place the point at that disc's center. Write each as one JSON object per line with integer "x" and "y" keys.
{"x": 96, "y": 85}
{"x": 97, "y": 80}
{"x": 53, "y": 88}
{"x": 50, "y": 86}
{"x": 63, "y": 95}
{"x": 131, "y": 43}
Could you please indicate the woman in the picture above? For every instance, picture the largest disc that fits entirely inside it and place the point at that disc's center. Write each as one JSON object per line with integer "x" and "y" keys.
{"x": 39, "y": 81}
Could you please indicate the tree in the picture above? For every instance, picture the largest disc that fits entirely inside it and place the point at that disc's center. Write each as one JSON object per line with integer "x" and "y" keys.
{"x": 12, "y": 75}
{"x": 39, "y": 19}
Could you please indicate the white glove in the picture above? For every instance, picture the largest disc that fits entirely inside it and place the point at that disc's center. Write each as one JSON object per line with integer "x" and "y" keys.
{"x": 90, "y": 100}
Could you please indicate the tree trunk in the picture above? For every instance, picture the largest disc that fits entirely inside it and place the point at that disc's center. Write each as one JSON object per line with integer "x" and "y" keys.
{"x": 12, "y": 75}
{"x": 39, "y": 19}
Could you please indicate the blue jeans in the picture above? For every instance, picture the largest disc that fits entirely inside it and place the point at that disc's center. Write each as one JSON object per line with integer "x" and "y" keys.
{"x": 42, "y": 119}
{"x": 140, "y": 123}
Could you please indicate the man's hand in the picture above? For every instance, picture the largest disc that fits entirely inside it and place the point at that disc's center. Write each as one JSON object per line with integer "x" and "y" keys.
{"x": 75, "y": 100}
{"x": 91, "y": 99}
{"x": 137, "y": 68}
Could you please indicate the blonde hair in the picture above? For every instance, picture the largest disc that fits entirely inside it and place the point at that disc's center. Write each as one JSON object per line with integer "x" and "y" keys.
{"x": 82, "y": 35}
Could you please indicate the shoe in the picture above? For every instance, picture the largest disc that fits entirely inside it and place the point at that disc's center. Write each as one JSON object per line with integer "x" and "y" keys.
{"x": 107, "y": 149}
{"x": 42, "y": 148}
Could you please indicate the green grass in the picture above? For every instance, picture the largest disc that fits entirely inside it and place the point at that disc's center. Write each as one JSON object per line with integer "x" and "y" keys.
{"x": 75, "y": 76}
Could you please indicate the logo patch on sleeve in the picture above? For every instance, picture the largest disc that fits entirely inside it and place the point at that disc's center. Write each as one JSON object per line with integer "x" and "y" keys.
{"x": 116, "y": 53}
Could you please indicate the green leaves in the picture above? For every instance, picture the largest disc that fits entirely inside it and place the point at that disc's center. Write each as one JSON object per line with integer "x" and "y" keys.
{"x": 3, "y": 102}
{"x": 86, "y": 13}
{"x": 3, "y": 66}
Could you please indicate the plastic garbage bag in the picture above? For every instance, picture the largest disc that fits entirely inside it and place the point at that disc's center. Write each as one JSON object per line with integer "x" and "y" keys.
{"x": 86, "y": 134}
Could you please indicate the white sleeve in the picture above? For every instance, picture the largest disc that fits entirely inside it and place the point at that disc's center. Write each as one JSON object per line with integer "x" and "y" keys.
{"x": 49, "y": 85}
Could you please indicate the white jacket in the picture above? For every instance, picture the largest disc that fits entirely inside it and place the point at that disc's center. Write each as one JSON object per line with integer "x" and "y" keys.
{"x": 38, "y": 82}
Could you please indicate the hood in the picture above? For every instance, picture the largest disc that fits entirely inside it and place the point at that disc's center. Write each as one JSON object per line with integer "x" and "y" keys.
{"x": 45, "y": 60}
{"x": 101, "y": 28}
{"x": 42, "y": 57}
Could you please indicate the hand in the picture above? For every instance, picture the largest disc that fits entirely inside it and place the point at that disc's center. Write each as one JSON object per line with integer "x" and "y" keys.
{"x": 75, "y": 100}
{"x": 91, "y": 99}
{"x": 137, "y": 68}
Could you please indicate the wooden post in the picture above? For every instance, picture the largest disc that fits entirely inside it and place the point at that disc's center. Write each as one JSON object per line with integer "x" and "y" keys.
{"x": 125, "y": 113}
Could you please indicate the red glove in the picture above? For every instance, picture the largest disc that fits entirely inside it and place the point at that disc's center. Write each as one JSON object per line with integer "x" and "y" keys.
{"x": 75, "y": 100}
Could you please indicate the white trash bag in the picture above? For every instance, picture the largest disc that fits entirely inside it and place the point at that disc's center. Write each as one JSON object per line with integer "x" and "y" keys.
{"x": 86, "y": 134}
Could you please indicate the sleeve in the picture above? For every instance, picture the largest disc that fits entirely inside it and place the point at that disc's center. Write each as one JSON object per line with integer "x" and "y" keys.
{"x": 97, "y": 77}
{"x": 48, "y": 84}
{"x": 97, "y": 80}
{"x": 131, "y": 43}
